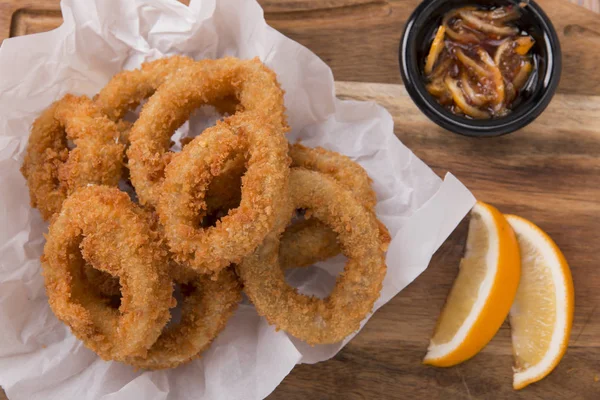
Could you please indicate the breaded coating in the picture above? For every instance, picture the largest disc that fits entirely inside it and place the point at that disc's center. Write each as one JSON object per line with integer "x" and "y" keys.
{"x": 100, "y": 226}
{"x": 52, "y": 170}
{"x": 314, "y": 320}
{"x": 307, "y": 242}
{"x": 204, "y": 82}
{"x": 341, "y": 168}
{"x": 127, "y": 89}
{"x": 345, "y": 172}
{"x": 264, "y": 184}
{"x": 207, "y": 306}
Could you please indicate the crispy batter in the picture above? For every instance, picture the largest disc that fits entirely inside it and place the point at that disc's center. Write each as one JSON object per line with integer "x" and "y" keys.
{"x": 204, "y": 82}
{"x": 207, "y": 306}
{"x": 319, "y": 321}
{"x": 347, "y": 173}
{"x": 341, "y": 168}
{"x": 188, "y": 175}
{"x": 310, "y": 241}
{"x": 100, "y": 226}
{"x": 127, "y": 89}
{"x": 52, "y": 170}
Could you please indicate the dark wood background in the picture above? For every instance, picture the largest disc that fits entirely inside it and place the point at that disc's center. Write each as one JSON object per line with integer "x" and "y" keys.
{"x": 548, "y": 172}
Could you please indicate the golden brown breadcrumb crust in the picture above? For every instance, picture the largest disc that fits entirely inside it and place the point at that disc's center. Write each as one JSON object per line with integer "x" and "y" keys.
{"x": 187, "y": 177}
{"x": 52, "y": 170}
{"x": 204, "y": 82}
{"x": 100, "y": 226}
{"x": 319, "y": 321}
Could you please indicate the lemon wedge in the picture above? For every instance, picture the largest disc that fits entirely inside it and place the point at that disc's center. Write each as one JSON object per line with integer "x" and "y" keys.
{"x": 482, "y": 293}
{"x": 542, "y": 314}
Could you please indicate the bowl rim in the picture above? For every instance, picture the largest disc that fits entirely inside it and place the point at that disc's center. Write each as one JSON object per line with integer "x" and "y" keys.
{"x": 471, "y": 127}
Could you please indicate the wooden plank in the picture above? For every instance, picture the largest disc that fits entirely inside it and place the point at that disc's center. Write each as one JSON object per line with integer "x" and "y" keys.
{"x": 359, "y": 38}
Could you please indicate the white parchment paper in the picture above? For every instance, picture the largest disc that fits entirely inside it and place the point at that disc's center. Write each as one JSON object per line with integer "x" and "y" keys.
{"x": 39, "y": 358}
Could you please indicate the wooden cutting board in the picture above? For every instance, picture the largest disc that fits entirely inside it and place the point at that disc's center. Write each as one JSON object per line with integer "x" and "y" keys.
{"x": 548, "y": 172}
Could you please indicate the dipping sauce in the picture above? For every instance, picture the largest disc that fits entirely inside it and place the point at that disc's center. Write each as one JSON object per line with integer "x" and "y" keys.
{"x": 479, "y": 61}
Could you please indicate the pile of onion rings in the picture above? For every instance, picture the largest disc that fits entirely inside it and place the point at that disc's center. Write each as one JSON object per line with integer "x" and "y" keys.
{"x": 230, "y": 212}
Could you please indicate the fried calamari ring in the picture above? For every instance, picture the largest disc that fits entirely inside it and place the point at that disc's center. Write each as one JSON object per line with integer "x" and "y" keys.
{"x": 127, "y": 89}
{"x": 102, "y": 283}
{"x": 319, "y": 321}
{"x": 251, "y": 82}
{"x": 264, "y": 185}
{"x": 206, "y": 307}
{"x": 102, "y": 227}
{"x": 52, "y": 170}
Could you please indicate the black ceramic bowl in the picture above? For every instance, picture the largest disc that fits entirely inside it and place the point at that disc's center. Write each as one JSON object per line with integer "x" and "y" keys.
{"x": 534, "y": 98}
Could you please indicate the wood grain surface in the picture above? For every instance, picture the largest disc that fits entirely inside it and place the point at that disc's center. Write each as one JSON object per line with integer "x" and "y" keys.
{"x": 548, "y": 172}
